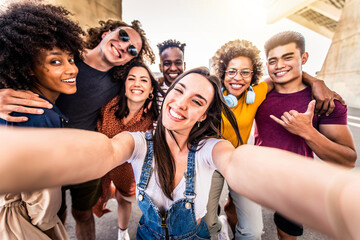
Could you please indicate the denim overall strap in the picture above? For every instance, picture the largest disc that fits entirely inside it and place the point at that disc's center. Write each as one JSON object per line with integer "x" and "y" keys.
{"x": 189, "y": 192}
{"x": 179, "y": 221}
{"x": 146, "y": 168}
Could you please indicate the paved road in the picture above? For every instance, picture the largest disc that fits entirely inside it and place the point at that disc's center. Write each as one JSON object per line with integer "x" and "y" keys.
{"x": 106, "y": 227}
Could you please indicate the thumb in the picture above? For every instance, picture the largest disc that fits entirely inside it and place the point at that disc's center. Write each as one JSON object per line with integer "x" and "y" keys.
{"x": 311, "y": 107}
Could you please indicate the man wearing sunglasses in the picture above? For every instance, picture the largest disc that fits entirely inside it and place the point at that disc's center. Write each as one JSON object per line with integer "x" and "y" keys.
{"x": 111, "y": 47}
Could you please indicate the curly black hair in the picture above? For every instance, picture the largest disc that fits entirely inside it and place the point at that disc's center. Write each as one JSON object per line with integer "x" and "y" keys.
{"x": 171, "y": 43}
{"x": 234, "y": 49}
{"x": 146, "y": 54}
{"x": 26, "y": 29}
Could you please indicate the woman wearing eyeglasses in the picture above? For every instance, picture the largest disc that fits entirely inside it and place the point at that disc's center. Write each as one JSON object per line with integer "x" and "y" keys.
{"x": 238, "y": 65}
{"x": 173, "y": 167}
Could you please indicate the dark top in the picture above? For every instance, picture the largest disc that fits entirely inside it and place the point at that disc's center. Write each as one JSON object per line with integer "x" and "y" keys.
{"x": 94, "y": 90}
{"x": 52, "y": 118}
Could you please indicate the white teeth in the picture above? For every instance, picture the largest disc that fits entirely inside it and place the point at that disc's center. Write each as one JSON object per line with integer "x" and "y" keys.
{"x": 174, "y": 114}
{"x": 172, "y": 75}
{"x": 136, "y": 91}
{"x": 115, "y": 51}
{"x": 280, "y": 73}
{"x": 70, "y": 80}
{"x": 236, "y": 86}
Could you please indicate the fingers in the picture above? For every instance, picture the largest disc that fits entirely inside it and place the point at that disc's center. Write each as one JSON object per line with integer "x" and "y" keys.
{"x": 285, "y": 118}
{"x": 339, "y": 98}
{"x": 293, "y": 113}
{"x": 311, "y": 106}
{"x": 277, "y": 120}
{"x": 26, "y": 94}
{"x": 331, "y": 107}
{"x": 9, "y": 118}
{"x": 10, "y": 98}
{"x": 7, "y": 109}
{"x": 318, "y": 106}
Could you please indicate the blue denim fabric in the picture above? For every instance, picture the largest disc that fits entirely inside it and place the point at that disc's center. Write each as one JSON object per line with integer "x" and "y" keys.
{"x": 179, "y": 221}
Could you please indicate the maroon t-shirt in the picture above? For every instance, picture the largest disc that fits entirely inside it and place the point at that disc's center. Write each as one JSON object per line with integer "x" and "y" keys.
{"x": 271, "y": 134}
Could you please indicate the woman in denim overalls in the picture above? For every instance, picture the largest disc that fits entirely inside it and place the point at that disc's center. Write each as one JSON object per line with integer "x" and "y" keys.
{"x": 263, "y": 179}
{"x": 163, "y": 225}
{"x": 179, "y": 219}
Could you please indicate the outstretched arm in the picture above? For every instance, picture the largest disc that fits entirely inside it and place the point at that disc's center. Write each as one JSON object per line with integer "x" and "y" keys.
{"x": 22, "y": 102}
{"x": 273, "y": 177}
{"x": 55, "y": 157}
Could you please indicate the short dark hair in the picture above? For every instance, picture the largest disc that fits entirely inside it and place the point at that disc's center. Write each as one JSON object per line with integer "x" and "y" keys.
{"x": 284, "y": 38}
{"x": 171, "y": 43}
{"x": 146, "y": 54}
{"x": 26, "y": 29}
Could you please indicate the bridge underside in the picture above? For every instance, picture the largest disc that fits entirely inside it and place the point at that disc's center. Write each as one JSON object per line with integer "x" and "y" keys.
{"x": 338, "y": 20}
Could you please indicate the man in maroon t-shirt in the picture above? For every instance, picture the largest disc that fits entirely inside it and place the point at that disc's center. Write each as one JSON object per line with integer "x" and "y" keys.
{"x": 286, "y": 118}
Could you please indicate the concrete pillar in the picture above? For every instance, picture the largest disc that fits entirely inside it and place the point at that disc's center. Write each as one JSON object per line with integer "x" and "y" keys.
{"x": 89, "y": 12}
{"x": 341, "y": 69}
{"x": 86, "y": 12}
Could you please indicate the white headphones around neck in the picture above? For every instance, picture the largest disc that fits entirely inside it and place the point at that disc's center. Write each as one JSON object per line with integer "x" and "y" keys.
{"x": 232, "y": 101}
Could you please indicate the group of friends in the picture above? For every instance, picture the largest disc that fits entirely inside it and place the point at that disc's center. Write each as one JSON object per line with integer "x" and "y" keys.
{"x": 170, "y": 143}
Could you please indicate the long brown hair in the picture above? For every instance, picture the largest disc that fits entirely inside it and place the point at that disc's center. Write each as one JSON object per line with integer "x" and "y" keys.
{"x": 123, "y": 109}
{"x": 209, "y": 128}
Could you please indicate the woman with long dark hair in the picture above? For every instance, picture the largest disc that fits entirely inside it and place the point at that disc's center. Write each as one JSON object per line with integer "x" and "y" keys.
{"x": 174, "y": 165}
{"x": 133, "y": 109}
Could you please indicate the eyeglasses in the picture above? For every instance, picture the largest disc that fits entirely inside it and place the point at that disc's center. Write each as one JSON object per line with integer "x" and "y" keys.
{"x": 245, "y": 72}
{"x": 124, "y": 36}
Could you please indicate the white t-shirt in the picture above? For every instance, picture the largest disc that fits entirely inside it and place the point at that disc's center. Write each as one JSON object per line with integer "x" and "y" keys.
{"x": 204, "y": 168}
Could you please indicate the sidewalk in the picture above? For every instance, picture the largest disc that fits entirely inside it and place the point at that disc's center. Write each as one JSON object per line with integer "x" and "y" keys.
{"x": 106, "y": 227}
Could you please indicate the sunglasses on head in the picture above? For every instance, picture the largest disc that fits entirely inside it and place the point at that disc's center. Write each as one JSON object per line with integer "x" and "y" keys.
{"x": 124, "y": 36}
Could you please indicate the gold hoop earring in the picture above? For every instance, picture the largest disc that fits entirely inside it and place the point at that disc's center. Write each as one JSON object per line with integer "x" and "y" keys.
{"x": 151, "y": 96}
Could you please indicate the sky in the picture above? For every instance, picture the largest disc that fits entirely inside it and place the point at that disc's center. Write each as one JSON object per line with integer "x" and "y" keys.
{"x": 205, "y": 25}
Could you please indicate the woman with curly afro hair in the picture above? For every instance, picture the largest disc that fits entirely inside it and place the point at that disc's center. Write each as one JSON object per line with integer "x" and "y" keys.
{"x": 111, "y": 47}
{"x": 38, "y": 45}
{"x": 239, "y": 67}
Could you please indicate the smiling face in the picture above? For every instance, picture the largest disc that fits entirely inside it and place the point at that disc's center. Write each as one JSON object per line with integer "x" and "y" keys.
{"x": 284, "y": 64}
{"x": 187, "y": 103}
{"x": 114, "y": 50}
{"x": 171, "y": 64}
{"x": 138, "y": 85}
{"x": 55, "y": 72}
{"x": 238, "y": 84}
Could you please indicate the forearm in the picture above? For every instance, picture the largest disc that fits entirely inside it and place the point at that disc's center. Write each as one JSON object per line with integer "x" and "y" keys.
{"x": 51, "y": 157}
{"x": 329, "y": 150}
{"x": 275, "y": 179}
{"x": 308, "y": 79}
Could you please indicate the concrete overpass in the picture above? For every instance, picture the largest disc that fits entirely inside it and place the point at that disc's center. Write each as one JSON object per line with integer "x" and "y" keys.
{"x": 87, "y": 12}
{"x": 338, "y": 20}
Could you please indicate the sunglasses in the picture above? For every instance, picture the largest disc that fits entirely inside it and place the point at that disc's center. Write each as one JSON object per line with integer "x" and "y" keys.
{"x": 124, "y": 36}
{"x": 245, "y": 72}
